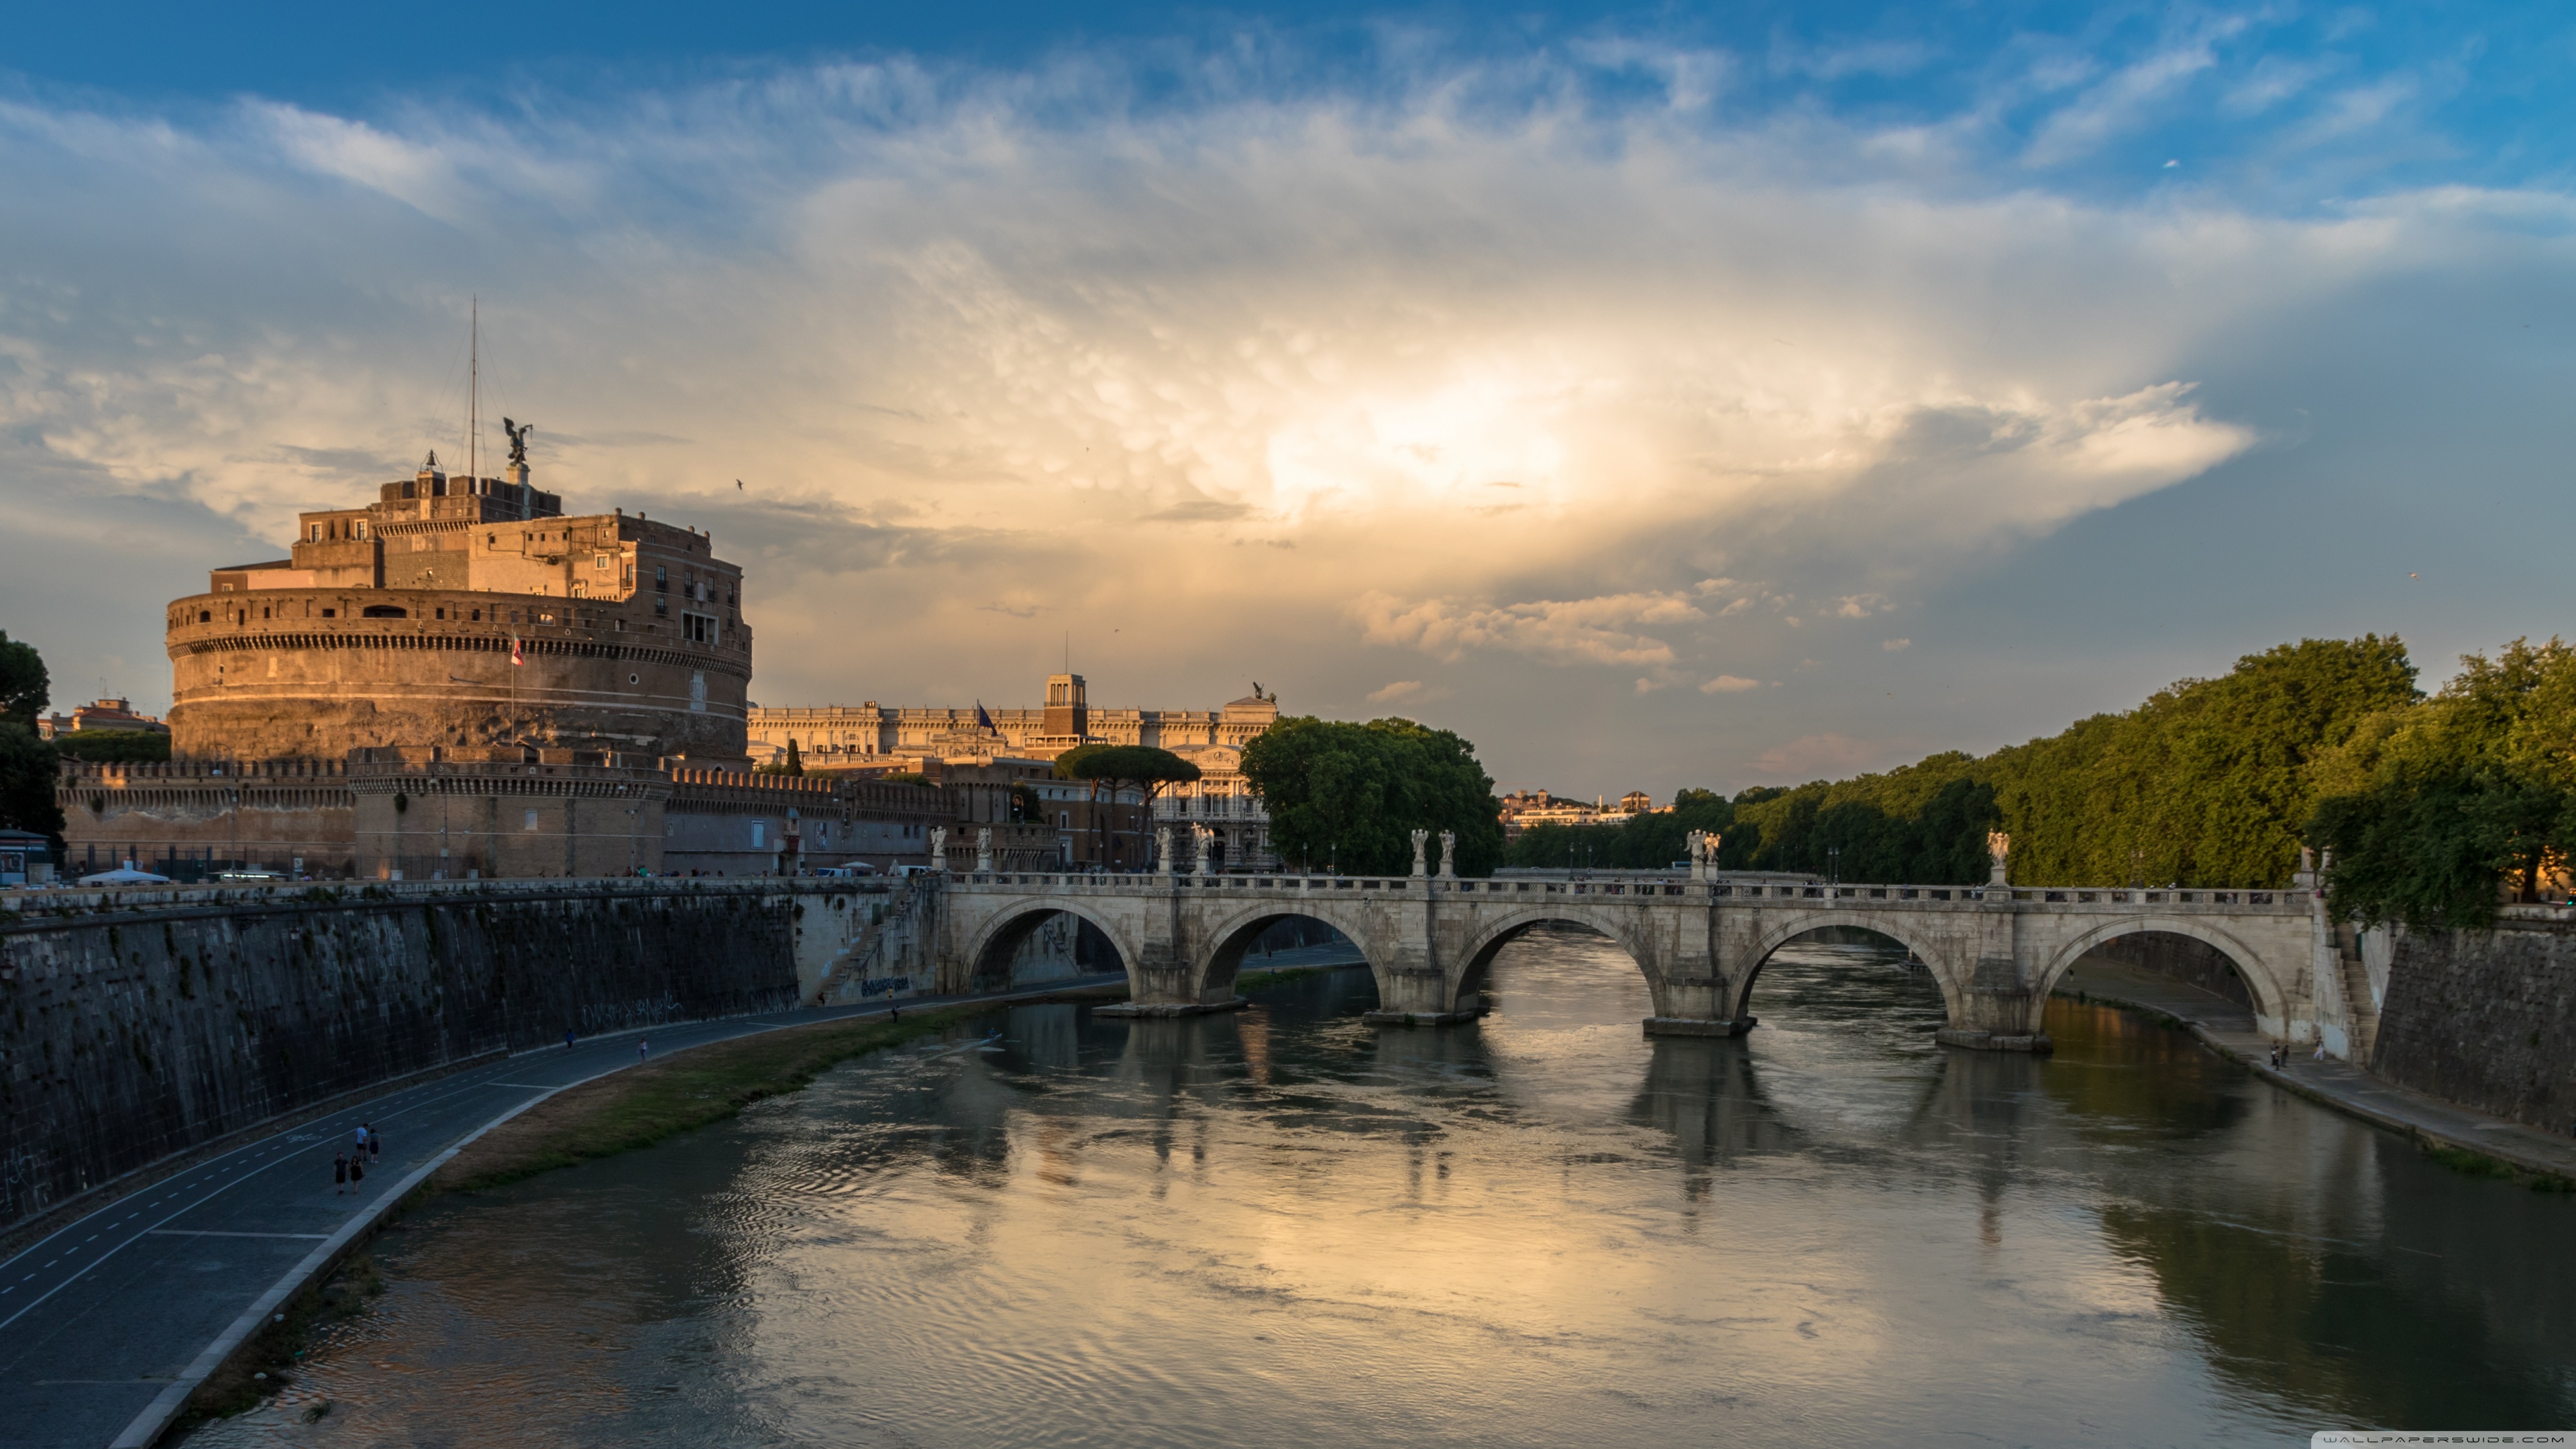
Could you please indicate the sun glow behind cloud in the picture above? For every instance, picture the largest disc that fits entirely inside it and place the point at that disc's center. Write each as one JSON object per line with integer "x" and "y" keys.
{"x": 1359, "y": 387}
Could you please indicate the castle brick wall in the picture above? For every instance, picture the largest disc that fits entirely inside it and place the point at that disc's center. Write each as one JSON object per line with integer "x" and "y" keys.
{"x": 187, "y": 818}
{"x": 306, "y": 672}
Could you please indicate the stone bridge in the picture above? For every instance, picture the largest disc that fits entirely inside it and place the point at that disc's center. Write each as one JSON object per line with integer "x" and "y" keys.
{"x": 1430, "y": 940}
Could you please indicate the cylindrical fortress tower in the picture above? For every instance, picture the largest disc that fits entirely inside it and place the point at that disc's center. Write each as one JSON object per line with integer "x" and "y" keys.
{"x": 466, "y": 612}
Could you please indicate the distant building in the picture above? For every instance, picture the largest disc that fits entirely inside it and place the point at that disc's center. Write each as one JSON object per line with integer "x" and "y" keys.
{"x": 100, "y": 714}
{"x": 1522, "y": 809}
{"x": 877, "y": 739}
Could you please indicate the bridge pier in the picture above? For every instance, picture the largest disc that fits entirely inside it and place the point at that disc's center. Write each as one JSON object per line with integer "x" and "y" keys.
{"x": 1133, "y": 1007}
{"x": 1162, "y": 982}
{"x": 1692, "y": 999}
{"x": 1419, "y": 996}
{"x": 1700, "y": 1026}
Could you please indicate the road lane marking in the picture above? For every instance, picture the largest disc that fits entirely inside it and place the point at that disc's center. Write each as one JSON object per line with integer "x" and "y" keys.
{"x": 216, "y": 1233}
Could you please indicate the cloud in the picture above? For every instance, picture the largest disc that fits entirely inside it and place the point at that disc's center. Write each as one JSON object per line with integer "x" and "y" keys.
{"x": 1894, "y": 646}
{"x": 1729, "y": 684}
{"x": 1494, "y": 374}
{"x": 1577, "y": 631}
{"x": 1817, "y": 755}
{"x": 1396, "y": 692}
{"x": 1198, "y": 510}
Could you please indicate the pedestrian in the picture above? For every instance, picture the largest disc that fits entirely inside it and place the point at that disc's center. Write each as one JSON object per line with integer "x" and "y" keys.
{"x": 567, "y": 1038}
{"x": 360, "y": 1144}
{"x": 643, "y": 1050}
{"x": 339, "y": 1173}
{"x": 375, "y": 1145}
{"x": 894, "y": 1010}
{"x": 357, "y": 1171}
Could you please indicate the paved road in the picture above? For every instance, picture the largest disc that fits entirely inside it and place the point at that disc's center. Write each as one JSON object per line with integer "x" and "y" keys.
{"x": 2229, "y": 1029}
{"x": 106, "y": 1325}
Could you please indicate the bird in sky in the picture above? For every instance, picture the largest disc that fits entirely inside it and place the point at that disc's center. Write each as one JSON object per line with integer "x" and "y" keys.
{"x": 737, "y": 485}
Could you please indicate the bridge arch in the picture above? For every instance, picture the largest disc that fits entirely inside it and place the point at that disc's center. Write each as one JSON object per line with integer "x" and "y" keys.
{"x": 1476, "y": 962}
{"x": 988, "y": 954}
{"x": 1906, "y": 932}
{"x": 2271, "y": 998}
{"x": 1229, "y": 941}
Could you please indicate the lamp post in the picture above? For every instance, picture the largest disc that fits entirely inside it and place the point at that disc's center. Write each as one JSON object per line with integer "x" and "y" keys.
{"x": 1834, "y": 864}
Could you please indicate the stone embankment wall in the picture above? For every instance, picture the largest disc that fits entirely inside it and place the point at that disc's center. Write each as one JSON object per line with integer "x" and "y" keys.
{"x": 129, "y": 1036}
{"x": 2485, "y": 1019}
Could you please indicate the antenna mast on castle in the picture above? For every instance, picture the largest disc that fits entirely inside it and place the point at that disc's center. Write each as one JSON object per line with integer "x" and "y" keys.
{"x": 473, "y": 389}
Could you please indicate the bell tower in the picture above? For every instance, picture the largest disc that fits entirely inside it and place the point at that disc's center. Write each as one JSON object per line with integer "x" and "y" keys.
{"x": 1068, "y": 716}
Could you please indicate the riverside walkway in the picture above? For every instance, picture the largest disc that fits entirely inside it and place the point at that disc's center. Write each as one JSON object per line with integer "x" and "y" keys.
{"x": 109, "y": 1323}
{"x": 2228, "y": 1029}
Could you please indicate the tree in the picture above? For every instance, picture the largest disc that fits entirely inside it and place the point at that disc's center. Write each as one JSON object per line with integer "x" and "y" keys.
{"x": 23, "y": 682}
{"x": 2433, "y": 811}
{"x": 113, "y": 747}
{"x": 1353, "y": 794}
{"x": 2206, "y": 783}
{"x": 27, "y": 764}
{"x": 27, "y": 770}
{"x": 1113, "y": 768}
{"x": 788, "y": 764}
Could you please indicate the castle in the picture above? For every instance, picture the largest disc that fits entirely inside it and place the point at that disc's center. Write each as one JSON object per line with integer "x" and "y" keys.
{"x": 466, "y": 612}
{"x": 458, "y": 680}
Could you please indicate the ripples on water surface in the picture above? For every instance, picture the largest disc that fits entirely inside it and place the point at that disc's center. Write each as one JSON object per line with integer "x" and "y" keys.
{"x": 1287, "y": 1228}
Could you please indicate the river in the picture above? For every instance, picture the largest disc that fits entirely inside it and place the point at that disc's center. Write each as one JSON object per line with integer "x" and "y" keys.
{"x": 1286, "y": 1228}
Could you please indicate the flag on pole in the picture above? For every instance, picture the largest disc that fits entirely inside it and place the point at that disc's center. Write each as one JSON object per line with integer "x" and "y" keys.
{"x": 517, "y": 654}
{"x": 983, "y": 720}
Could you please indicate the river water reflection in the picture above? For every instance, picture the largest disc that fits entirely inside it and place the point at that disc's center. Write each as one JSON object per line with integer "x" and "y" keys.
{"x": 1286, "y": 1228}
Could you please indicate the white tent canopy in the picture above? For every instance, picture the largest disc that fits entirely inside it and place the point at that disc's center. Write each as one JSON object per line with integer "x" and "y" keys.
{"x": 125, "y": 874}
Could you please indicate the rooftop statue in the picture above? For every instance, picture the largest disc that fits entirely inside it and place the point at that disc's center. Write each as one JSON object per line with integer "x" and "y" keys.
{"x": 518, "y": 440}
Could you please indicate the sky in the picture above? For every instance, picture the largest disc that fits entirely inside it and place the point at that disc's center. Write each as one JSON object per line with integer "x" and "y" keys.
{"x": 1658, "y": 396}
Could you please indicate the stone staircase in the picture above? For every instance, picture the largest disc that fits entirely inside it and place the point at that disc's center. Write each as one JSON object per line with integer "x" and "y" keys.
{"x": 2361, "y": 1006}
{"x": 892, "y": 945}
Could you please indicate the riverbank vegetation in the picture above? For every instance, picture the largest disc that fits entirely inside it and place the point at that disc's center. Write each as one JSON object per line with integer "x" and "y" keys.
{"x": 27, "y": 762}
{"x": 2429, "y": 803}
{"x": 644, "y": 1104}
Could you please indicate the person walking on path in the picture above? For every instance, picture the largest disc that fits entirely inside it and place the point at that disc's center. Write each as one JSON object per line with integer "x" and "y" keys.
{"x": 643, "y": 1050}
{"x": 357, "y": 1170}
{"x": 375, "y": 1145}
{"x": 339, "y": 1173}
{"x": 567, "y": 1038}
{"x": 359, "y": 1140}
